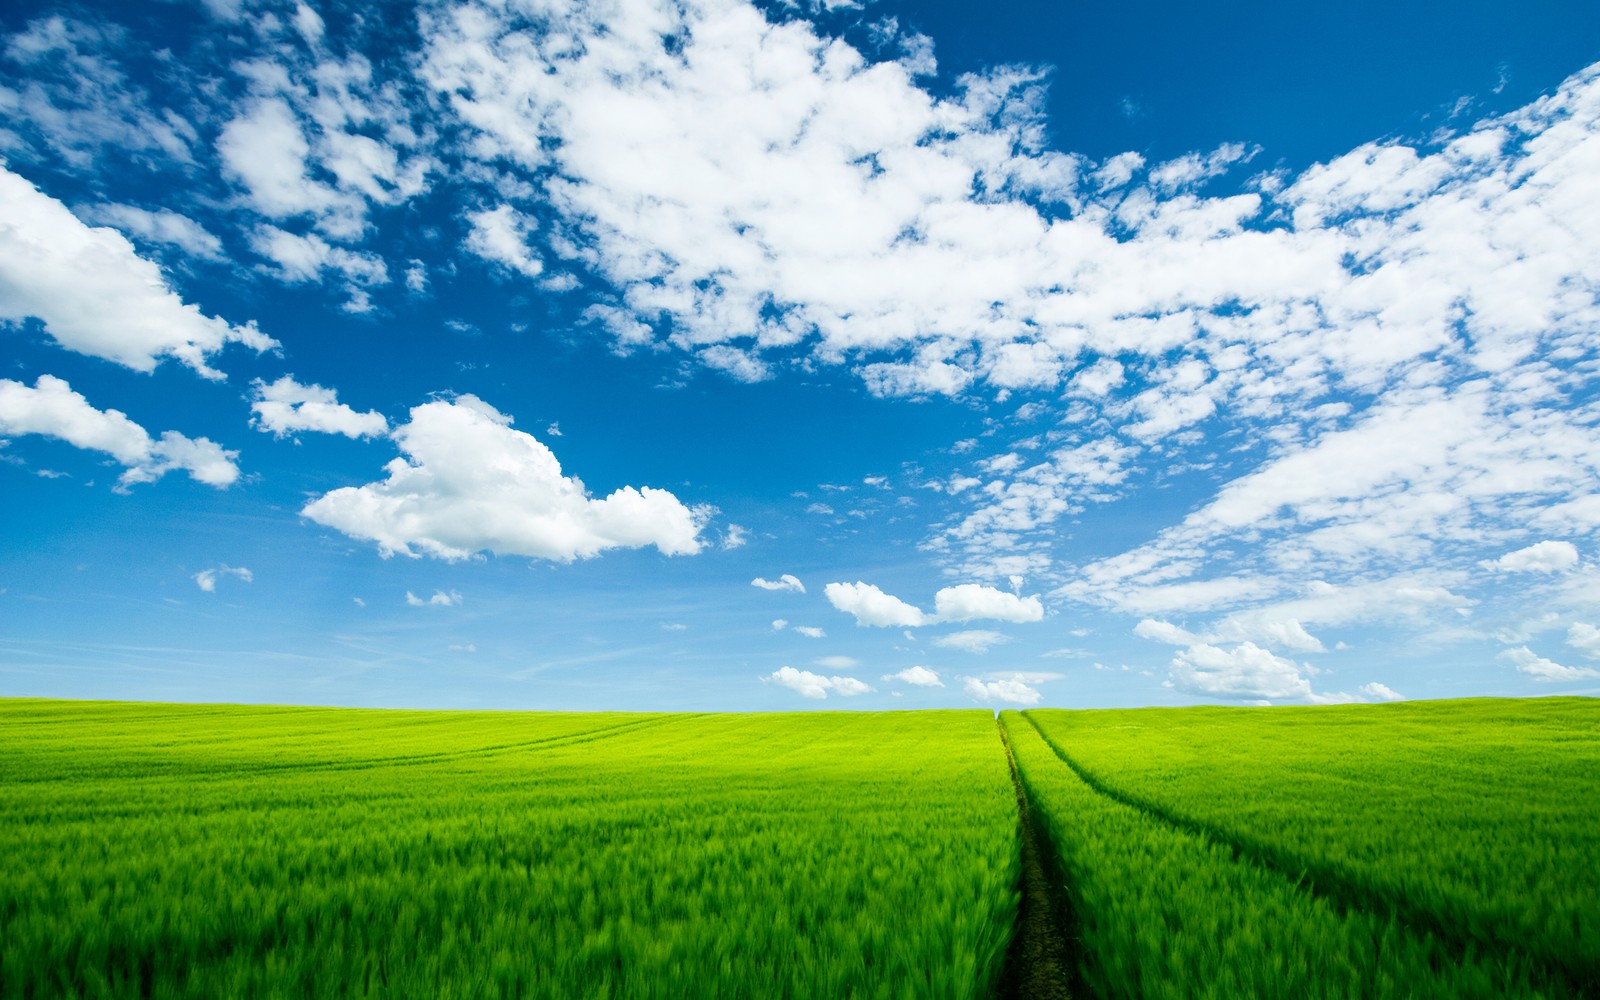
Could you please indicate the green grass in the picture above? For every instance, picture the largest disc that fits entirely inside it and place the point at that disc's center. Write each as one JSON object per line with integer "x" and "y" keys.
{"x": 1477, "y": 817}
{"x": 1423, "y": 850}
{"x": 1165, "y": 913}
{"x": 159, "y": 850}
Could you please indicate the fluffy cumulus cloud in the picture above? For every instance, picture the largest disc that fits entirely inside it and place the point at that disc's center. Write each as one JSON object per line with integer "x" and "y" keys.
{"x": 207, "y": 579}
{"x": 469, "y": 482}
{"x": 1543, "y": 670}
{"x": 1009, "y": 690}
{"x": 50, "y": 407}
{"x": 965, "y": 602}
{"x": 815, "y": 685}
{"x": 1382, "y": 692}
{"x": 1541, "y": 557}
{"x": 784, "y": 582}
{"x": 918, "y": 676}
{"x": 970, "y": 600}
{"x": 285, "y": 406}
{"x": 500, "y": 235}
{"x": 94, "y": 293}
{"x": 872, "y": 606}
{"x": 1245, "y": 671}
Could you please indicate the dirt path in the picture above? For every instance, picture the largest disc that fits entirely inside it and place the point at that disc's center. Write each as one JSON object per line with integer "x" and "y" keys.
{"x": 1042, "y": 961}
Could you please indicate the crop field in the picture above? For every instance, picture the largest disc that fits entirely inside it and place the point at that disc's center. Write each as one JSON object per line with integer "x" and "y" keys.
{"x": 159, "y": 850}
{"x": 1444, "y": 849}
{"x": 1473, "y": 820}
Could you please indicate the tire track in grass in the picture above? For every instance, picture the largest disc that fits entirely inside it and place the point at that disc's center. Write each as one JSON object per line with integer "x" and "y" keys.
{"x": 1042, "y": 961}
{"x": 1328, "y": 883}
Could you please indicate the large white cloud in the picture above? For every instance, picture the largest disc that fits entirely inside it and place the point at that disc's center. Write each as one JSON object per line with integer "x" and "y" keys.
{"x": 94, "y": 293}
{"x": 470, "y": 482}
{"x": 285, "y": 406}
{"x": 50, "y": 407}
{"x": 812, "y": 192}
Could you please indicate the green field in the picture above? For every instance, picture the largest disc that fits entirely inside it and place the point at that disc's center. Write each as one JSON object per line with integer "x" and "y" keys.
{"x": 1411, "y": 850}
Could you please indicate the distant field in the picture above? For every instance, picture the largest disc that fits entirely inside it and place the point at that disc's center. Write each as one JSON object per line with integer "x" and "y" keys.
{"x": 1435, "y": 849}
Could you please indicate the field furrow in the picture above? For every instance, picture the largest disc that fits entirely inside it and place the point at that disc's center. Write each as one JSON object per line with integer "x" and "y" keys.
{"x": 1165, "y": 912}
{"x": 1470, "y": 819}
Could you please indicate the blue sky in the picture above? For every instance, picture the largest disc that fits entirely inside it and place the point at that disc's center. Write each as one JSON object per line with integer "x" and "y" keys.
{"x": 728, "y": 357}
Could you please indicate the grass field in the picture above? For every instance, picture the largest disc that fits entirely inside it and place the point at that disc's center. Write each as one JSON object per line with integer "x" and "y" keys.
{"x": 1414, "y": 850}
{"x": 156, "y": 850}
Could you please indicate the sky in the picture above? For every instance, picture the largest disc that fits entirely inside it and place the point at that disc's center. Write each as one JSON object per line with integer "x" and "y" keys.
{"x": 715, "y": 356}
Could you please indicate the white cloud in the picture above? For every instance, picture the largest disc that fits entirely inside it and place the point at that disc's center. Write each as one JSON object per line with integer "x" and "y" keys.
{"x": 1012, "y": 691}
{"x": 917, "y": 677}
{"x": 71, "y": 98}
{"x": 815, "y": 685}
{"x": 265, "y": 148}
{"x": 735, "y": 537}
{"x": 1382, "y": 692}
{"x": 500, "y": 235}
{"x": 440, "y": 599}
{"x": 50, "y": 407}
{"x": 1585, "y": 638}
{"x": 303, "y": 258}
{"x": 837, "y": 662}
{"x": 468, "y": 483}
{"x": 811, "y": 631}
{"x": 784, "y": 582}
{"x": 94, "y": 293}
{"x": 779, "y": 624}
{"x": 972, "y": 640}
{"x": 162, "y": 226}
{"x": 871, "y": 606}
{"x": 970, "y": 600}
{"x": 1245, "y": 671}
{"x": 206, "y": 579}
{"x": 1541, "y": 669}
{"x": 1541, "y": 557}
{"x": 320, "y": 139}
{"x": 286, "y": 406}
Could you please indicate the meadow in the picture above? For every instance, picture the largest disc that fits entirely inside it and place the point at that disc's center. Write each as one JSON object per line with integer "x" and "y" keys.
{"x": 167, "y": 851}
{"x": 1411, "y": 850}
{"x": 1473, "y": 820}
